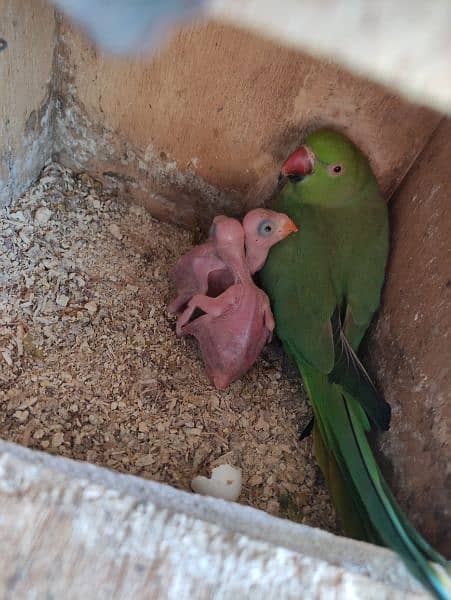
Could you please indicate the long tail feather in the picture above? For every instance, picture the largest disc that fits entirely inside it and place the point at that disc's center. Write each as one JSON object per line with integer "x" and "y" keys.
{"x": 342, "y": 423}
{"x": 420, "y": 542}
{"x": 350, "y": 512}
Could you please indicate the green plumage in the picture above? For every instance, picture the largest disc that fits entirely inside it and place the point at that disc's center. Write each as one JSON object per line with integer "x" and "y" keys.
{"x": 324, "y": 283}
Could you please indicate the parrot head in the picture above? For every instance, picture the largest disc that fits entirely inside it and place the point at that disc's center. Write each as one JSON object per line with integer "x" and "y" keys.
{"x": 263, "y": 228}
{"x": 267, "y": 227}
{"x": 328, "y": 170}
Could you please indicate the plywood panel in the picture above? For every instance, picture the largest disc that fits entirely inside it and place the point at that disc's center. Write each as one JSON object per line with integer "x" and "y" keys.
{"x": 411, "y": 344}
{"x": 207, "y": 123}
{"x": 25, "y": 100}
{"x": 76, "y": 531}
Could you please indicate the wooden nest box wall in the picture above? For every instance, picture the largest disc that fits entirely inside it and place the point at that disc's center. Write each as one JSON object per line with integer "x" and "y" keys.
{"x": 202, "y": 129}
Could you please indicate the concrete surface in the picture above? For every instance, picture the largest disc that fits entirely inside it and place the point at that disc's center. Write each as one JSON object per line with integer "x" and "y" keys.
{"x": 26, "y": 100}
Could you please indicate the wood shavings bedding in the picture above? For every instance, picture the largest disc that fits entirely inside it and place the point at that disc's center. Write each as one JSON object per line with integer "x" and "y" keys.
{"x": 90, "y": 367}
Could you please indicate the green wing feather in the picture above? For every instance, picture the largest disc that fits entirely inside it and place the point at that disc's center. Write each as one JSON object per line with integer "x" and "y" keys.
{"x": 350, "y": 512}
{"x": 333, "y": 267}
{"x": 305, "y": 298}
{"x": 349, "y": 372}
{"x": 343, "y": 426}
{"x": 311, "y": 326}
{"x": 304, "y": 307}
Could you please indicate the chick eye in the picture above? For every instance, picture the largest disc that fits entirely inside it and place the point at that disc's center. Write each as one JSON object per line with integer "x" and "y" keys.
{"x": 265, "y": 228}
{"x": 336, "y": 170}
{"x": 212, "y": 231}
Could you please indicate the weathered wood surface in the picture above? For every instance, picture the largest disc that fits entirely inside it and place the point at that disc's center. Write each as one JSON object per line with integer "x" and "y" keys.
{"x": 28, "y": 26}
{"x": 205, "y": 126}
{"x": 72, "y": 530}
{"x": 411, "y": 344}
{"x": 402, "y": 43}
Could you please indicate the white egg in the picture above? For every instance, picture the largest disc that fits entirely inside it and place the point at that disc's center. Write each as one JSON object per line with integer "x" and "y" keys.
{"x": 225, "y": 483}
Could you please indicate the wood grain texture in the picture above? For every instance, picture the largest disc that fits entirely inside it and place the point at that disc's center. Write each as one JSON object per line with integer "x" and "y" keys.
{"x": 25, "y": 101}
{"x": 75, "y": 531}
{"x": 411, "y": 344}
{"x": 205, "y": 126}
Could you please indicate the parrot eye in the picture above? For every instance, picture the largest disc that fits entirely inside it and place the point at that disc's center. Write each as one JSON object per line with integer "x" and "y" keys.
{"x": 336, "y": 170}
{"x": 265, "y": 228}
{"x": 212, "y": 231}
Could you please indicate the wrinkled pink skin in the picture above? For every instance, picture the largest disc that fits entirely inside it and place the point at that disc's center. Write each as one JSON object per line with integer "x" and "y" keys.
{"x": 201, "y": 270}
{"x": 238, "y": 323}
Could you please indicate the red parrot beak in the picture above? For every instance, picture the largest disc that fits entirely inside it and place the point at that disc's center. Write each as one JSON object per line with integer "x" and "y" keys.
{"x": 298, "y": 164}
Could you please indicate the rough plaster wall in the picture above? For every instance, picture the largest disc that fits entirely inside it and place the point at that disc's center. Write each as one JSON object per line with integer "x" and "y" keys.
{"x": 411, "y": 343}
{"x": 25, "y": 100}
{"x": 205, "y": 125}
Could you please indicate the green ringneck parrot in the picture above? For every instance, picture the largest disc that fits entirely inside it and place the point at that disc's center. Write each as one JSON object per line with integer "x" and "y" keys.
{"x": 324, "y": 283}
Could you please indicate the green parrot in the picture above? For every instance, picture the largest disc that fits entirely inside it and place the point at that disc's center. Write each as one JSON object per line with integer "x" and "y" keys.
{"x": 324, "y": 283}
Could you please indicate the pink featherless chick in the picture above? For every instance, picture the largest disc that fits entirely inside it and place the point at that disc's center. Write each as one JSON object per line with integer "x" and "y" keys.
{"x": 197, "y": 272}
{"x": 238, "y": 323}
{"x": 201, "y": 270}
{"x": 262, "y": 229}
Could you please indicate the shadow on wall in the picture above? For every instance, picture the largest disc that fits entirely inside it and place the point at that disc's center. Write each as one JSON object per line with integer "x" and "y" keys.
{"x": 204, "y": 127}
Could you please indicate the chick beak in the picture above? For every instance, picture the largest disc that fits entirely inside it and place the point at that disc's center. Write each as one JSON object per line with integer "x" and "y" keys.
{"x": 289, "y": 228}
{"x": 298, "y": 164}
